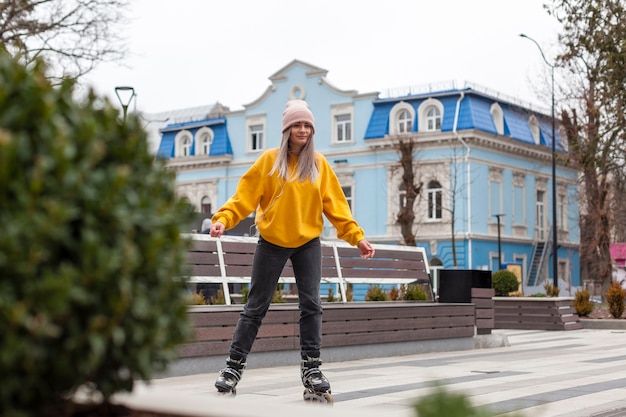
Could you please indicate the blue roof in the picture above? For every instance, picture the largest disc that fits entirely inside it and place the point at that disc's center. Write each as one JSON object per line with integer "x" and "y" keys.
{"x": 220, "y": 145}
{"x": 474, "y": 113}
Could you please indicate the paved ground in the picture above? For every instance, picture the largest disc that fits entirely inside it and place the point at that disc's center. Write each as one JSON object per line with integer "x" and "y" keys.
{"x": 578, "y": 373}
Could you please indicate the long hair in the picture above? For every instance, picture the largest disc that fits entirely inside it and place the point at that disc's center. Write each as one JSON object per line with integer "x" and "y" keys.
{"x": 307, "y": 166}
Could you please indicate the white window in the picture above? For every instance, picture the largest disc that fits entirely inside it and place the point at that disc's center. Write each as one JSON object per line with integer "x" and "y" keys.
{"x": 343, "y": 130}
{"x": 430, "y": 115}
{"x": 401, "y": 119}
{"x": 347, "y": 191}
{"x": 434, "y": 197}
{"x": 498, "y": 118}
{"x": 183, "y": 144}
{"x": 204, "y": 139}
{"x": 256, "y": 137}
{"x": 540, "y": 222}
{"x": 255, "y": 133}
{"x": 518, "y": 216}
{"x": 405, "y": 122}
{"x": 533, "y": 124}
{"x": 433, "y": 119}
{"x": 342, "y": 116}
{"x": 205, "y": 205}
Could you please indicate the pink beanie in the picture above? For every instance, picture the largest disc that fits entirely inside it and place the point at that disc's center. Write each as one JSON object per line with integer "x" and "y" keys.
{"x": 297, "y": 111}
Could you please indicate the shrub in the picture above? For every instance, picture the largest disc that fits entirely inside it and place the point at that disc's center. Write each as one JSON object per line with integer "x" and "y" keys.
{"x": 349, "y": 292}
{"x": 551, "y": 290}
{"x": 245, "y": 291}
{"x": 443, "y": 403}
{"x": 582, "y": 303}
{"x": 395, "y": 294}
{"x": 413, "y": 292}
{"x": 615, "y": 299}
{"x": 197, "y": 299}
{"x": 278, "y": 298}
{"x": 91, "y": 243}
{"x": 218, "y": 298}
{"x": 376, "y": 293}
{"x": 504, "y": 282}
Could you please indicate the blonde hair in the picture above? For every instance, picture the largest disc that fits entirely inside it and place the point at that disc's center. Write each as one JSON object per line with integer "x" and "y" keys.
{"x": 307, "y": 165}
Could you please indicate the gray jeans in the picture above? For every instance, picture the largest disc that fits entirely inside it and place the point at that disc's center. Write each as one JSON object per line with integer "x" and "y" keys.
{"x": 268, "y": 264}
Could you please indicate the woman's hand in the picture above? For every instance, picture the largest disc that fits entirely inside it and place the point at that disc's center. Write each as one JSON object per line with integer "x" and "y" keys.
{"x": 367, "y": 251}
{"x": 217, "y": 229}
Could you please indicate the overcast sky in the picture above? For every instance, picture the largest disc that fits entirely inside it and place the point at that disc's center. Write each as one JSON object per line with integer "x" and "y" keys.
{"x": 197, "y": 52}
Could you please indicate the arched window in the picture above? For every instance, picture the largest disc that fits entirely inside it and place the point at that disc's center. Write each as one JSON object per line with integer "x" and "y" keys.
{"x": 405, "y": 122}
{"x": 498, "y": 118}
{"x": 430, "y": 115}
{"x": 433, "y": 119}
{"x": 434, "y": 196}
{"x": 183, "y": 144}
{"x": 401, "y": 119}
{"x": 533, "y": 124}
{"x": 205, "y": 205}
{"x": 204, "y": 139}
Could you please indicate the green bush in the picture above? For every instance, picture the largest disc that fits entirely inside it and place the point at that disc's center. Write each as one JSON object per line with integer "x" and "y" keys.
{"x": 504, "y": 282}
{"x": 443, "y": 403}
{"x": 615, "y": 299}
{"x": 376, "y": 293}
{"x": 582, "y": 303}
{"x": 551, "y": 289}
{"x": 413, "y": 292}
{"x": 91, "y": 242}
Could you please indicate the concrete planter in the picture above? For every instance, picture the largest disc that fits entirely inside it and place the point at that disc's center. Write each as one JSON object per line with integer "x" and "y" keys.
{"x": 536, "y": 313}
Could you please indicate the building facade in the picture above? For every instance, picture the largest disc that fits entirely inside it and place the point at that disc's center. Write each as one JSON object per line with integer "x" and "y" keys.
{"x": 484, "y": 164}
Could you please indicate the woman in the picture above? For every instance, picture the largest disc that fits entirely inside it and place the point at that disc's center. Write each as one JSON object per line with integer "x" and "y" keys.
{"x": 290, "y": 187}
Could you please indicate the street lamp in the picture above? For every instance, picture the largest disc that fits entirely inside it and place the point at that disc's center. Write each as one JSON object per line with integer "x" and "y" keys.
{"x": 497, "y": 216}
{"x": 125, "y": 96}
{"x": 555, "y": 247}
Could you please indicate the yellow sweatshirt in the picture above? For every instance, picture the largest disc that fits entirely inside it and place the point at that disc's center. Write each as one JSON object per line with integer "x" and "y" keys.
{"x": 289, "y": 213}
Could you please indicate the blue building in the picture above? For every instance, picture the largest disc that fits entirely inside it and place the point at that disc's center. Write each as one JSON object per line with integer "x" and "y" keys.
{"x": 483, "y": 161}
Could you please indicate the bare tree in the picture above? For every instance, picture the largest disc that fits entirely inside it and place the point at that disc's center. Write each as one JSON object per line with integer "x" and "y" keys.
{"x": 594, "y": 53}
{"x": 72, "y": 36}
{"x": 405, "y": 144}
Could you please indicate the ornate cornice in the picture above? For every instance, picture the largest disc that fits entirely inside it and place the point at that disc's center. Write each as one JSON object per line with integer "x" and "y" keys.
{"x": 191, "y": 163}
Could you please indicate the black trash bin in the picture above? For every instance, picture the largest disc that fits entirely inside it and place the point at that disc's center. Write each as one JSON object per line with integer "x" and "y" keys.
{"x": 455, "y": 285}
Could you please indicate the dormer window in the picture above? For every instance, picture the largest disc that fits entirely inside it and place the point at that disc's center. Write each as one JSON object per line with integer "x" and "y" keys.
{"x": 405, "y": 122}
{"x": 533, "y": 124}
{"x": 498, "y": 118}
{"x": 401, "y": 119}
{"x": 204, "y": 139}
{"x": 183, "y": 144}
{"x": 431, "y": 113}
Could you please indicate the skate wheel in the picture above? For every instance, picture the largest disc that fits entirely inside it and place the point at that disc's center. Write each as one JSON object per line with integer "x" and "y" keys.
{"x": 317, "y": 397}
{"x": 227, "y": 393}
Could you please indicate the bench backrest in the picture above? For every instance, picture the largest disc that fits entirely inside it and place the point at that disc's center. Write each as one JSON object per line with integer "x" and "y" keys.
{"x": 229, "y": 260}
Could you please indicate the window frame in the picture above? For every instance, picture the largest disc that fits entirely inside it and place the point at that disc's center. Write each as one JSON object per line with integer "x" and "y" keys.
{"x": 425, "y": 118}
{"x": 394, "y": 118}
{"x": 183, "y": 144}
{"x": 256, "y": 140}
{"x": 204, "y": 140}
{"x": 434, "y": 201}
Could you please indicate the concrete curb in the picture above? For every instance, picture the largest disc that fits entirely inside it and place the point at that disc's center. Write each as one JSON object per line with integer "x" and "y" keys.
{"x": 211, "y": 364}
{"x": 604, "y": 324}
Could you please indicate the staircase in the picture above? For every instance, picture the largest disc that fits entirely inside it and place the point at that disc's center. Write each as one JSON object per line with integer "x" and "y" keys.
{"x": 539, "y": 261}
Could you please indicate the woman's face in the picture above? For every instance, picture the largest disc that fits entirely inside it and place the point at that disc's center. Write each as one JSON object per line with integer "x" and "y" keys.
{"x": 299, "y": 135}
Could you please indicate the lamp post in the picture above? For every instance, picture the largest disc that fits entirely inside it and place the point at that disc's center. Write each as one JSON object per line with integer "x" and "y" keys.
{"x": 555, "y": 247}
{"x": 497, "y": 216}
{"x": 125, "y": 96}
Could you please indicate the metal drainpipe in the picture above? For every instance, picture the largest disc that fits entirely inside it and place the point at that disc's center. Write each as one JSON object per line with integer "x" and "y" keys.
{"x": 468, "y": 233}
